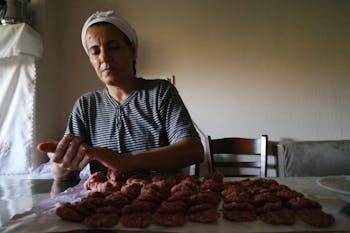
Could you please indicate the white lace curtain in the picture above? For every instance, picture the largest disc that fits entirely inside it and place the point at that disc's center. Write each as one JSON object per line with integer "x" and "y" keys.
{"x": 20, "y": 47}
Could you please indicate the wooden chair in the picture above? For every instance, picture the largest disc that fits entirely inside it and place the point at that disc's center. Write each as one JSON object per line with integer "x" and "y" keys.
{"x": 241, "y": 148}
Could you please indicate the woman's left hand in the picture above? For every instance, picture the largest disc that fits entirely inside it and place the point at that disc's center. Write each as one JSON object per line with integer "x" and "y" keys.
{"x": 110, "y": 158}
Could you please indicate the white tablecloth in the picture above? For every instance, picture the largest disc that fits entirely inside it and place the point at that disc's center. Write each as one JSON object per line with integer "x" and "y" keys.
{"x": 31, "y": 222}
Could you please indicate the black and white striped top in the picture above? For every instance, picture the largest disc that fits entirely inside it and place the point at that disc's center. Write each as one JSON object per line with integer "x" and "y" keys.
{"x": 152, "y": 116}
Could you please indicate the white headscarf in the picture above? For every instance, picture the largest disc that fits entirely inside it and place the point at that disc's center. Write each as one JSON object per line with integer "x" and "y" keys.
{"x": 113, "y": 18}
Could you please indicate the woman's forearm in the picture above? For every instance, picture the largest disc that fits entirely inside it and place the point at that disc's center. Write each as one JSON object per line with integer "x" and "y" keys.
{"x": 185, "y": 152}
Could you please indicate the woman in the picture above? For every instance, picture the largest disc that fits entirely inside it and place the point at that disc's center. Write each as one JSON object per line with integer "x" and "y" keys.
{"x": 132, "y": 124}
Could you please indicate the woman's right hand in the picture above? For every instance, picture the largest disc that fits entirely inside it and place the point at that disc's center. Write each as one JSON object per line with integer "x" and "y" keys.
{"x": 68, "y": 153}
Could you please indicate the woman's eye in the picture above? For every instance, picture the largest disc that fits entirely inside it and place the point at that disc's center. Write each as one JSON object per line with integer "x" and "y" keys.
{"x": 114, "y": 47}
{"x": 94, "y": 51}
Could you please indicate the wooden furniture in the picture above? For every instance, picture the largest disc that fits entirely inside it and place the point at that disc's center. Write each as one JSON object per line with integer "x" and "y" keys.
{"x": 241, "y": 157}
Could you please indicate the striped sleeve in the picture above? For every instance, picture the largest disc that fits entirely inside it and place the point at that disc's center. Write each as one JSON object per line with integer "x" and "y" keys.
{"x": 174, "y": 114}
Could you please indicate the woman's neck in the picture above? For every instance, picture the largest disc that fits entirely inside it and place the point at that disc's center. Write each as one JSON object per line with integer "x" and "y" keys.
{"x": 121, "y": 92}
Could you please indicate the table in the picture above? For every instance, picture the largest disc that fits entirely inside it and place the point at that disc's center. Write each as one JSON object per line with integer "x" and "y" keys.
{"x": 19, "y": 194}
{"x": 43, "y": 189}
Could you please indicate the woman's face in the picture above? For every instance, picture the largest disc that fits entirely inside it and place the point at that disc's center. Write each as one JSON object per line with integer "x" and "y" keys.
{"x": 109, "y": 54}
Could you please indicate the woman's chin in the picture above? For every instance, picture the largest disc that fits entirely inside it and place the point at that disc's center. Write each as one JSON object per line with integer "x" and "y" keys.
{"x": 114, "y": 79}
{"x": 109, "y": 79}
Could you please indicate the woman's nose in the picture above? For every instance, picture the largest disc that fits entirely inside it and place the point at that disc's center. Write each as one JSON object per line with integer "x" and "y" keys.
{"x": 105, "y": 55}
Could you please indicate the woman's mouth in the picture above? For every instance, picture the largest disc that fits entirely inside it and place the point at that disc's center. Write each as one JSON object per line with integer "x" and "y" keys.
{"x": 107, "y": 70}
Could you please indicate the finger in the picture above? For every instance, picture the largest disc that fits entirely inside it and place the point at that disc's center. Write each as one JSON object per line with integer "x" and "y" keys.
{"x": 94, "y": 152}
{"x": 80, "y": 155}
{"x": 62, "y": 147}
{"x": 104, "y": 156}
{"x": 72, "y": 151}
{"x": 98, "y": 153}
{"x": 84, "y": 162}
{"x": 47, "y": 147}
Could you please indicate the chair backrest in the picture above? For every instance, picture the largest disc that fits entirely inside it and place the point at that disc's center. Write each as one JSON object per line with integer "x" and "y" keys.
{"x": 255, "y": 149}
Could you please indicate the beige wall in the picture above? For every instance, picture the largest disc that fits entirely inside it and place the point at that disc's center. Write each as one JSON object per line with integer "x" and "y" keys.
{"x": 48, "y": 93}
{"x": 243, "y": 67}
